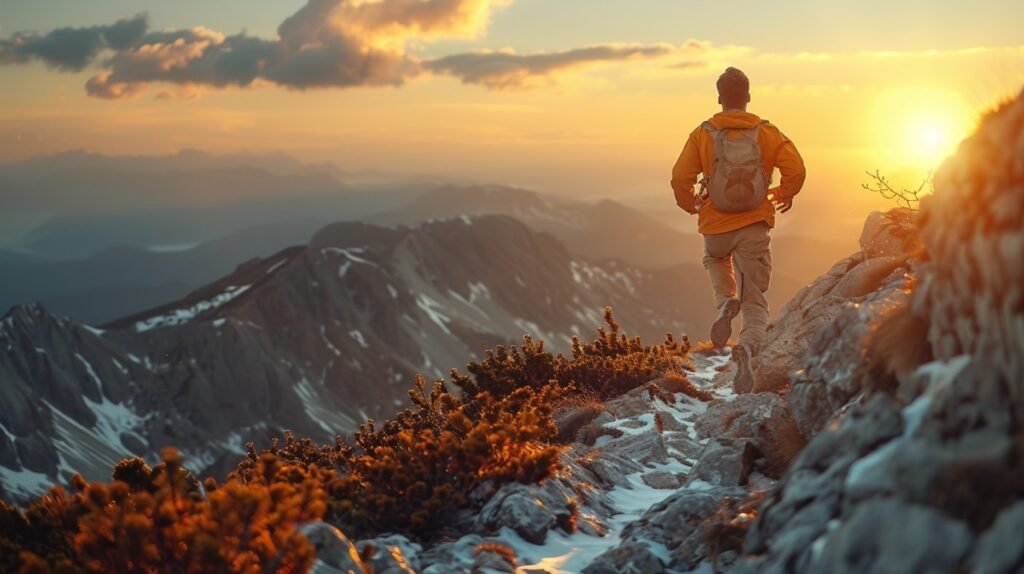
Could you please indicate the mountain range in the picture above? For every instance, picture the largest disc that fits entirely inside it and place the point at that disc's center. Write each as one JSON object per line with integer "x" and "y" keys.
{"x": 316, "y": 338}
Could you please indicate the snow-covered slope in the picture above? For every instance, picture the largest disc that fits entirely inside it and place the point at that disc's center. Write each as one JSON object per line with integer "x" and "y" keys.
{"x": 316, "y": 339}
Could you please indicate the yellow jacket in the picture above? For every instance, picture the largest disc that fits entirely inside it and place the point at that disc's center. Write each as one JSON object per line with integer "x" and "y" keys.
{"x": 697, "y": 157}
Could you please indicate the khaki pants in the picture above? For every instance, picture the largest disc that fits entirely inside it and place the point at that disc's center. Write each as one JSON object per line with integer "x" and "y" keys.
{"x": 748, "y": 250}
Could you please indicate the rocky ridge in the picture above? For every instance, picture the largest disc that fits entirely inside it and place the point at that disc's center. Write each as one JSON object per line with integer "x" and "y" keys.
{"x": 897, "y": 378}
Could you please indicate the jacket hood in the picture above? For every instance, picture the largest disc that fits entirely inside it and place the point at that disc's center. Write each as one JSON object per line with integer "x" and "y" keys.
{"x": 742, "y": 120}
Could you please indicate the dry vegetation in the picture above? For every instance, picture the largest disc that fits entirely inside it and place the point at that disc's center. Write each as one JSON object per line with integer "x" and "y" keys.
{"x": 417, "y": 474}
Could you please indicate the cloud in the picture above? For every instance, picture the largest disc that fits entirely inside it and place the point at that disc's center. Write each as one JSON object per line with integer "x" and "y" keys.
{"x": 71, "y": 49}
{"x": 326, "y": 43}
{"x": 506, "y": 69}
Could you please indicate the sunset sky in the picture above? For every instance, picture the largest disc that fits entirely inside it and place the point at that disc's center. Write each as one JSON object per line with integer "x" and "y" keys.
{"x": 589, "y": 97}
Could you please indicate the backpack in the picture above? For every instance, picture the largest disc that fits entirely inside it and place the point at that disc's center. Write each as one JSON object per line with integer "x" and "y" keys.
{"x": 737, "y": 182}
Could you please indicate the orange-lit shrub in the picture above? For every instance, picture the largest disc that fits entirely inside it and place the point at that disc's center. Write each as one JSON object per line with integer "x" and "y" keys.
{"x": 606, "y": 367}
{"x": 414, "y": 474}
{"x": 160, "y": 520}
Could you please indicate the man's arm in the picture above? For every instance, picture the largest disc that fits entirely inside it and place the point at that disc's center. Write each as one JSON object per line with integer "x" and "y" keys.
{"x": 684, "y": 175}
{"x": 791, "y": 166}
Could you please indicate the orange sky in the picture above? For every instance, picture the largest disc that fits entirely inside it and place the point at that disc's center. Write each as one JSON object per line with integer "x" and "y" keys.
{"x": 603, "y": 128}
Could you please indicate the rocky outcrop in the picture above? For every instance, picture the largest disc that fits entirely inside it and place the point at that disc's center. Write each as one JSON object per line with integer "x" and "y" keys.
{"x": 929, "y": 478}
{"x": 846, "y": 299}
{"x": 672, "y": 527}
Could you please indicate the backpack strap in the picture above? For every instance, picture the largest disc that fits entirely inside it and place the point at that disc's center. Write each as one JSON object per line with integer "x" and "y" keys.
{"x": 712, "y": 130}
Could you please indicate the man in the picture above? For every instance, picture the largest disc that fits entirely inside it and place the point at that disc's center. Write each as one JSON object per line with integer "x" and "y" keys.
{"x": 736, "y": 210}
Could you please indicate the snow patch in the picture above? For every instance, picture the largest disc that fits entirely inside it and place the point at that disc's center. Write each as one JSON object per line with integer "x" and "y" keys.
{"x": 277, "y": 266}
{"x": 327, "y": 342}
{"x": 433, "y": 310}
{"x": 350, "y": 253}
{"x": 357, "y": 336}
{"x": 24, "y": 483}
{"x": 180, "y": 316}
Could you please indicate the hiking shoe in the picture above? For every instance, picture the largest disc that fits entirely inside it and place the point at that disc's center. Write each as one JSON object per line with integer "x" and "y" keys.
{"x": 743, "y": 380}
{"x": 721, "y": 329}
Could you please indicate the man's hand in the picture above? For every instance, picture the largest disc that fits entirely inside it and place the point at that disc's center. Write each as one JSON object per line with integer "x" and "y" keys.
{"x": 781, "y": 205}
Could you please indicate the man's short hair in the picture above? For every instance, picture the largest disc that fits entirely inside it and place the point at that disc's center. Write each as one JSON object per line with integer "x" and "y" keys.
{"x": 733, "y": 87}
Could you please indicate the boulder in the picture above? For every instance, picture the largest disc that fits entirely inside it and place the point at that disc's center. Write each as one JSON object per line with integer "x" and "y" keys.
{"x": 529, "y": 509}
{"x": 488, "y": 560}
{"x": 335, "y": 554}
{"x": 451, "y": 557}
{"x": 631, "y": 404}
{"x": 661, "y": 480}
{"x": 889, "y": 536}
{"x": 627, "y": 558}
{"x": 724, "y": 462}
{"x": 1001, "y": 548}
{"x": 674, "y": 523}
{"x": 612, "y": 469}
{"x": 393, "y": 554}
{"x": 757, "y": 416}
{"x": 646, "y": 448}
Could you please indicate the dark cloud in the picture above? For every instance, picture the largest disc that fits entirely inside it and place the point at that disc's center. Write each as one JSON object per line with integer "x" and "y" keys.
{"x": 326, "y": 43}
{"x": 505, "y": 69}
{"x": 71, "y": 49}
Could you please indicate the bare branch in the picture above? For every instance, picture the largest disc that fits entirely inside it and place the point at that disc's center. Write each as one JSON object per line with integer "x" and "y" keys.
{"x": 908, "y": 198}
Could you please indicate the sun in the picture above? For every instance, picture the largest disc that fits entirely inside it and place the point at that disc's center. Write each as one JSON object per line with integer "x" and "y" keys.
{"x": 920, "y": 127}
{"x": 933, "y": 136}
{"x": 935, "y": 139}
{"x": 931, "y": 133}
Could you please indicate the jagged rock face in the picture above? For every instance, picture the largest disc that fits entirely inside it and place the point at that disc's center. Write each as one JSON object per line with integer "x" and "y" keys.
{"x": 316, "y": 339}
{"x": 847, "y": 299}
{"x": 972, "y": 287}
{"x": 933, "y": 483}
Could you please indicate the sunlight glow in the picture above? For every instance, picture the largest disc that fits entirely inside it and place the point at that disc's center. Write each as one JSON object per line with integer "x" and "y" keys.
{"x": 921, "y": 126}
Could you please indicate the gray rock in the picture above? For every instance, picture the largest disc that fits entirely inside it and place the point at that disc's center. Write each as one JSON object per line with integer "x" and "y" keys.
{"x": 335, "y": 554}
{"x": 394, "y": 554}
{"x": 516, "y": 507}
{"x": 675, "y": 523}
{"x": 669, "y": 423}
{"x": 633, "y": 403}
{"x": 451, "y": 557}
{"x": 854, "y": 433}
{"x": 724, "y": 462}
{"x": 529, "y": 509}
{"x": 627, "y": 558}
{"x": 884, "y": 535}
{"x": 887, "y": 234}
{"x": 763, "y": 418}
{"x": 1001, "y": 548}
{"x": 612, "y": 469}
{"x": 490, "y": 562}
{"x": 661, "y": 480}
{"x": 877, "y": 274}
{"x": 682, "y": 448}
{"x": 646, "y": 448}
{"x": 742, "y": 417}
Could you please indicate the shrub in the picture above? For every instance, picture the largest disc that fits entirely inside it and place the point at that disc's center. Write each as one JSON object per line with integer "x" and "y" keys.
{"x": 156, "y": 520}
{"x": 604, "y": 368}
{"x": 414, "y": 476}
